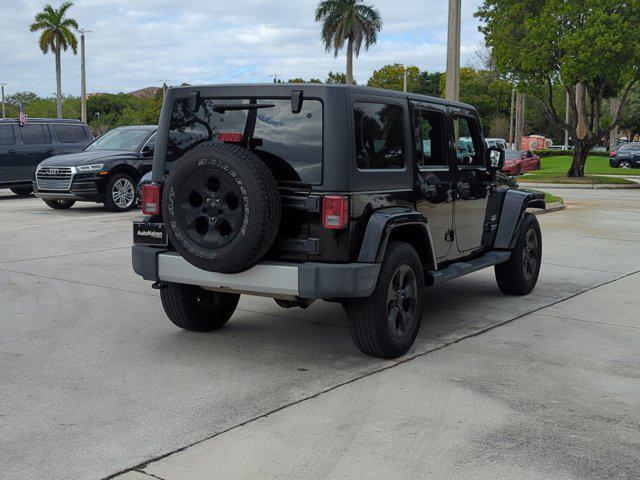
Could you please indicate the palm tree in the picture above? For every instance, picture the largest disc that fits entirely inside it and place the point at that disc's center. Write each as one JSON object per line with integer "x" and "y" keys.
{"x": 350, "y": 21}
{"x": 57, "y": 34}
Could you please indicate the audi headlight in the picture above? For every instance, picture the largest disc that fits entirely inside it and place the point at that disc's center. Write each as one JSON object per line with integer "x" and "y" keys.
{"x": 90, "y": 168}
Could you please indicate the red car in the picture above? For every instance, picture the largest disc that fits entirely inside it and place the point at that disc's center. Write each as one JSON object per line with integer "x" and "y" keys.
{"x": 519, "y": 161}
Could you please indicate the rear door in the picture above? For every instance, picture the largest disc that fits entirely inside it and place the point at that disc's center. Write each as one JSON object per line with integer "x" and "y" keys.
{"x": 36, "y": 146}
{"x": 434, "y": 194}
{"x": 10, "y": 162}
{"x": 472, "y": 181}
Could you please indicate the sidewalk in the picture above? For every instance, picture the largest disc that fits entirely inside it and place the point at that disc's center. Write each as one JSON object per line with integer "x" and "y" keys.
{"x": 553, "y": 394}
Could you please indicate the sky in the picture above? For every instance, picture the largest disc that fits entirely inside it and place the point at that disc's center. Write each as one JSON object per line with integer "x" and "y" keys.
{"x": 139, "y": 43}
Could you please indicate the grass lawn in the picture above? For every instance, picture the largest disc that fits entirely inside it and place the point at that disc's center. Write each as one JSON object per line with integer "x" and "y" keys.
{"x": 550, "y": 198}
{"x": 594, "y": 166}
{"x": 587, "y": 179}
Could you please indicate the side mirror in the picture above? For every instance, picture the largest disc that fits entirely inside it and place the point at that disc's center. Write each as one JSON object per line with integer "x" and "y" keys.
{"x": 495, "y": 158}
{"x": 147, "y": 151}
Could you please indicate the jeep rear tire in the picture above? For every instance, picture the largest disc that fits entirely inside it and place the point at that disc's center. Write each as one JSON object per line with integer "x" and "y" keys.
{"x": 386, "y": 324}
{"x": 60, "y": 204}
{"x": 196, "y": 309}
{"x": 519, "y": 275}
{"x": 221, "y": 207}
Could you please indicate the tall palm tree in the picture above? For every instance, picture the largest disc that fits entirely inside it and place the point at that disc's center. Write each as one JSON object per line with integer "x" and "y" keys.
{"x": 350, "y": 21}
{"x": 57, "y": 35}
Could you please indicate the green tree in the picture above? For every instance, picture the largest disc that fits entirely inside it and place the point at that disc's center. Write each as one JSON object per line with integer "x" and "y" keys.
{"x": 589, "y": 47}
{"x": 23, "y": 98}
{"x": 391, "y": 77}
{"x": 430, "y": 84}
{"x": 490, "y": 94}
{"x": 348, "y": 21}
{"x": 57, "y": 35}
{"x": 337, "y": 77}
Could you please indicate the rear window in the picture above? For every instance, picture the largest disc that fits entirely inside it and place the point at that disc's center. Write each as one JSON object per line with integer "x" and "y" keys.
{"x": 290, "y": 143}
{"x": 35, "y": 134}
{"x": 6, "y": 135}
{"x": 70, "y": 133}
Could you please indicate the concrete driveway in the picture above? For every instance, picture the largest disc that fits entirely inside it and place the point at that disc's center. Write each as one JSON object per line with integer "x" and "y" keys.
{"x": 96, "y": 381}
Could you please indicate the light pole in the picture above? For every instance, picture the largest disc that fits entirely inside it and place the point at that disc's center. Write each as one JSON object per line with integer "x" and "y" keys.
{"x": 513, "y": 101}
{"x": 404, "y": 83}
{"x": 452, "y": 91}
{"x": 2, "y": 90}
{"x": 83, "y": 78}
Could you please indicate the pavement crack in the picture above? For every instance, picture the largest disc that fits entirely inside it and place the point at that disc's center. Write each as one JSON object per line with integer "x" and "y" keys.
{"x": 583, "y": 268}
{"x": 63, "y": 255}
{"x": 47, "y": 277}
{"x": 560, "y": 317}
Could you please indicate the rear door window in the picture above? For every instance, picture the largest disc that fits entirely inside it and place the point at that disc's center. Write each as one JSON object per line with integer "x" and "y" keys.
{"x": 379, "y": 135}
{"x": 290, "y": 143}
{"x": 6, "y": 135}
{"x": 70, "y": 133}
{"x": 35, "y": 134}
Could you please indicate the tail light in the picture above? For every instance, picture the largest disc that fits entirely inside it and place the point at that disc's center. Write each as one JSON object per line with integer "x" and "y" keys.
{"x": 613, "y": 154}
{"x": 335, "y": 212}
{"x": 230, "y": 137}
{"x": 151, "y": 199}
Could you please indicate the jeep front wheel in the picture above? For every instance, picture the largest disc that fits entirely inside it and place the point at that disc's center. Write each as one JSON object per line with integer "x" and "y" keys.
{"x": 519, "y": 275}
{"x": 386, "y": 324}
{"x": 196, "y": 309}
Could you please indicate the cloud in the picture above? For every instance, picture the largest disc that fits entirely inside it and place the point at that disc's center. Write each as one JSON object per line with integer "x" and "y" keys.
{"x": 138, "y": 43}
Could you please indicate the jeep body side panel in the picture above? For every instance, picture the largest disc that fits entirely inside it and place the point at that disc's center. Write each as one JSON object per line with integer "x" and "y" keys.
{"x": 381, "y": 227}
{"x": 513, "y": 209}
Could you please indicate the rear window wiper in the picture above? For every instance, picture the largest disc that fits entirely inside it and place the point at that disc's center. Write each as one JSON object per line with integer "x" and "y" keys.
{"x": 223, "y": 107}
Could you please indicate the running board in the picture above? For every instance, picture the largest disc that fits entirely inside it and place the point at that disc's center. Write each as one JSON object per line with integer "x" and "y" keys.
{"x": 458, "y": 269}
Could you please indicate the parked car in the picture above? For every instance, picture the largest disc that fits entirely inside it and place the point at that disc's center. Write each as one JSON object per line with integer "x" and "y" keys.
{"x": 560, "y": 147}
{"x": 106, "y": 171}
{"x": 517, "y": 162}
{"x": 273, "y": 190}
{"x": 497, "y": 142}
{"x": 626, "y": 155}
{"x": 22, "y": 148}
{"x": 146, "y": 178}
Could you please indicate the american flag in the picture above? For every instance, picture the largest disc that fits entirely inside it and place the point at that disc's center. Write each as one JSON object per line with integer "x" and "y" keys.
{"x": 22, "y": 117}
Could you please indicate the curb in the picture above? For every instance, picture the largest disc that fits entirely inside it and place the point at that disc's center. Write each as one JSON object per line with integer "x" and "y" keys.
{"x": 550, "y": 208}
{"x": 589, "y": 186}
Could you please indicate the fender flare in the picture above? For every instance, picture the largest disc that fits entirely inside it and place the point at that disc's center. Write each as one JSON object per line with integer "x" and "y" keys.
{"x": 380, "y": 227}
{"x": 514, "y": 206}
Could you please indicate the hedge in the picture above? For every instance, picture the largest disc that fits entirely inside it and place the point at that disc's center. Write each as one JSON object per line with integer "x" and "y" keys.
{"x": 566, "y": 153}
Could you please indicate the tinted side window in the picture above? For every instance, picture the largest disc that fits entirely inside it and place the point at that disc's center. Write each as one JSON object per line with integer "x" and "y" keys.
{"x": 6, "y": 135}
{"x": 379, "y": 136}
{"x": 34, "y": 134}
{"x": 70, "y": 133}
{"x": 430, "y": 138}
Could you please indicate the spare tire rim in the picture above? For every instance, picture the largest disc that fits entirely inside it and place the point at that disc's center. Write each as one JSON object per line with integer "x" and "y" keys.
{"x": 402, "y": 301}
{"x": 123, "y": 193}
{"x": 210, "y": 208}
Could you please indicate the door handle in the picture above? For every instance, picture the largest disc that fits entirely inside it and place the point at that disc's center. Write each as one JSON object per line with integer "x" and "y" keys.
{"x": 51, "y": 150}
{"x": 12, "y": 152}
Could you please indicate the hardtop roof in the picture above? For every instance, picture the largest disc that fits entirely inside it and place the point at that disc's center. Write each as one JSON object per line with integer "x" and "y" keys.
{"x": 283, "y": 88}
{"x": 43, "y": 120}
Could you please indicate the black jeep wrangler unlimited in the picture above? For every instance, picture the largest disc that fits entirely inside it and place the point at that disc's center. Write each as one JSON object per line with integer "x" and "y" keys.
{"x": 342, "y": 193}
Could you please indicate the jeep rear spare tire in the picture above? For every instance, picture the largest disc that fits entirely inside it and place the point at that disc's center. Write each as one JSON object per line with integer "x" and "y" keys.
{"x": 221, "y": 207}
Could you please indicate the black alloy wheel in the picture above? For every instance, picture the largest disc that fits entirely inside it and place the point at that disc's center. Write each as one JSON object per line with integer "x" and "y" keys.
{"x": 209, "y": 206}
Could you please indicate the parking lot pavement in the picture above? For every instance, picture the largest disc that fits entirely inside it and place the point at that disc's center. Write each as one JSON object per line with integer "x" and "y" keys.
{"x": 97, "y": 381}
{"x": 553, "y": 394}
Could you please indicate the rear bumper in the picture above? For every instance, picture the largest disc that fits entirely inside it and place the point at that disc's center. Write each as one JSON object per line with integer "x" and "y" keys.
{"x": 309, "y": 280}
